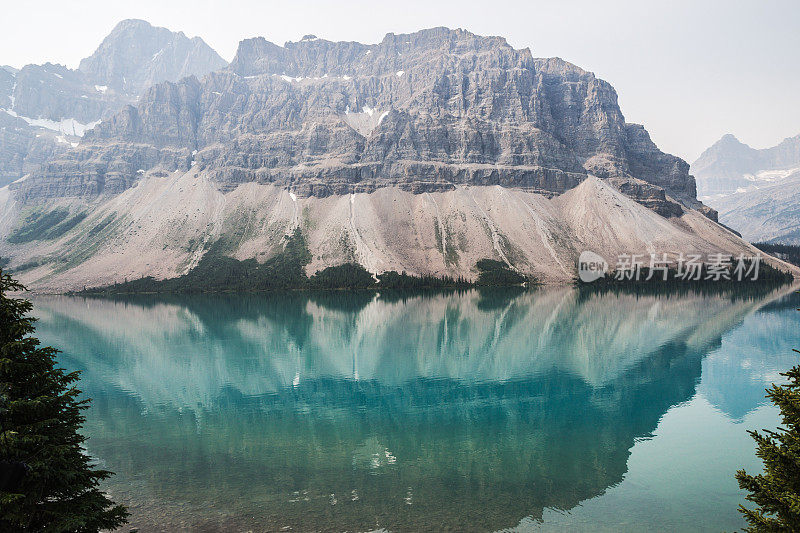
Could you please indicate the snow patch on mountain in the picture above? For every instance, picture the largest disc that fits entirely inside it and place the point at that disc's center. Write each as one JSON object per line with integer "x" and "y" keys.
{"x": 65, "y": 126}
{"x": 364, "y": 122}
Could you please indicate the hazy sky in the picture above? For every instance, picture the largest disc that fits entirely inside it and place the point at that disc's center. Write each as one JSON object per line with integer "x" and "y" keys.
{"x": 690, "y": 71}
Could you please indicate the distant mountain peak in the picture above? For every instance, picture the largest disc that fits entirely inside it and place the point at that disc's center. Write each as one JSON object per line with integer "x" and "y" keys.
{"x": 44, "y": 108}
{"x": 136, "y": 55}
{"x": 131, "y": 23}
{"x": 728, "y": 165}
{"x": 728, "y": 138}
{"x": 725, "y": 144}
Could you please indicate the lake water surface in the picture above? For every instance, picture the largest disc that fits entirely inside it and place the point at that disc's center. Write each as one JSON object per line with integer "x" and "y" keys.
{"x": 553, "y": 409}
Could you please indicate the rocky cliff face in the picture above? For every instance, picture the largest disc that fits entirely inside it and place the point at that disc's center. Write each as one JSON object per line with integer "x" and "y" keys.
{"x": 46, "y": 108}
{"x": 55, "y": 92}
{"x": 425, "y": 111}
{"x": 23, "y": 149}
{"x": 7, "y": 80}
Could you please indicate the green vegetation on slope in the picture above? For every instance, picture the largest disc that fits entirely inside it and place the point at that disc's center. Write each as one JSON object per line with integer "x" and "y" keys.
{"x": 45, "y": 225}
{"x": 788, "y": 252}
{"x": 217, "y": 272}
{"x": 493, "y": 273}
{"x": 401, "y": 280}
{"x": 346, "y": 276}
{"x": 100, "y": 226}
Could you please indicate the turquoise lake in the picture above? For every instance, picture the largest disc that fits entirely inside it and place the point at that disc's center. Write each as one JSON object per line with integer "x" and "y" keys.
{"x": 545, "y": 410}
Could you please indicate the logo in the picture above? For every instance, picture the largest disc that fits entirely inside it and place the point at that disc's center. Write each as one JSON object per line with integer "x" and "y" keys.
{"x": 591, "y": 267}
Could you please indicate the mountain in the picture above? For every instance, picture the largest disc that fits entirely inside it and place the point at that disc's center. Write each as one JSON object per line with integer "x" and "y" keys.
{"x": 768, "y": 213}
{"x": 136, "y": 55}
{"x": 56, "y": 105}
{"x": 425, "y": 152}
{"x": 729, "y": 165}
{"x": 755, "y": 191}
{"x": 423, "y": 111}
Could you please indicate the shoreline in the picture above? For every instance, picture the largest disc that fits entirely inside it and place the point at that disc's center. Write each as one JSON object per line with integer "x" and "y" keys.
{"x": 608, "y": 286}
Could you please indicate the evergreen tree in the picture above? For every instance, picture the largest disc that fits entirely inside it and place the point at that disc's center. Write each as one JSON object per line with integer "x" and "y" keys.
{"x": 47, "y": 482}
{"x": 777, "y": 492}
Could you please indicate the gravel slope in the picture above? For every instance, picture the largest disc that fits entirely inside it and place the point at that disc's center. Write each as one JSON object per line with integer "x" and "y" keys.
{"x": 162, "y": 226}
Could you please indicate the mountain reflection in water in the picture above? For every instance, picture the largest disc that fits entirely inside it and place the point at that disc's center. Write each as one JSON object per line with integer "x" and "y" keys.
{"x": 466, "y": 411}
